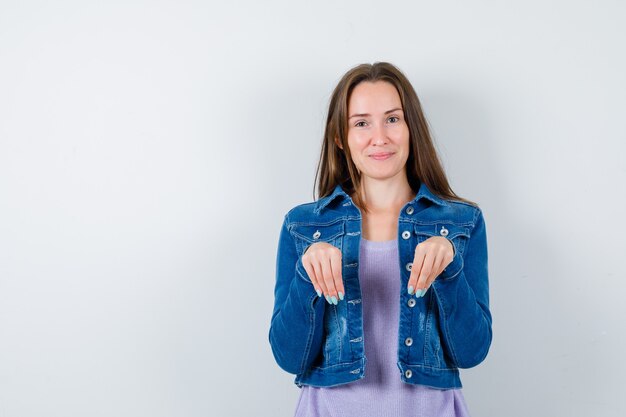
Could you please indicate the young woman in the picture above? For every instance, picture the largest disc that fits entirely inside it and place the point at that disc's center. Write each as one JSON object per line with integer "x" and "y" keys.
{"x": 382, "y": 283}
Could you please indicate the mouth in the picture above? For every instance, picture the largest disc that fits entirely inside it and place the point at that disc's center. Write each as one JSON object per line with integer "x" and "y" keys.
{"x": 381, "y": 156}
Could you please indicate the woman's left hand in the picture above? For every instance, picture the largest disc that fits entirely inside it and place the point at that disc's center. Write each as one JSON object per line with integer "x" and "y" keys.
{"x": 431, "y": 257}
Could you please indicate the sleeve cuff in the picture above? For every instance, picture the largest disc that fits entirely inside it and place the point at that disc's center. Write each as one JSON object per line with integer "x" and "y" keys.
{"x": 304, "y": 287}
{"x": 454, "y": 268}
{"x": 302, "y": 272}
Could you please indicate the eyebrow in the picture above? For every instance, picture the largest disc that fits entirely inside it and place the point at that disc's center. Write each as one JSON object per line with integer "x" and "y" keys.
{"x": 367, "y": 114}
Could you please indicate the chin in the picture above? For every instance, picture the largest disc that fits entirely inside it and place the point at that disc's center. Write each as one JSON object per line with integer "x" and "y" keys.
{"x": 379, "y": 175}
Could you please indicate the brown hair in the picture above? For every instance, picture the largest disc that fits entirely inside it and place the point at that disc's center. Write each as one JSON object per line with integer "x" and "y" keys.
{"x": 335, "y": 165}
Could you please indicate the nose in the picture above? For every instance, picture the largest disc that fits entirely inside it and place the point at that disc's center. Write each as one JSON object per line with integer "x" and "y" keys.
{"x": 379, "y": 135}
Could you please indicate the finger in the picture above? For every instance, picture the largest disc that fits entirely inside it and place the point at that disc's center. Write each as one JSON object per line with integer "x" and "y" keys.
{"x": 329, "y": 279}
{"x": 425, "y": 272}
{"x": 310, "y": 270}
{"x": 321, "y": 278}
{"x": 418, "y": 260}
{"x": 438, "y": 265}
{"x": 335, "y": 265}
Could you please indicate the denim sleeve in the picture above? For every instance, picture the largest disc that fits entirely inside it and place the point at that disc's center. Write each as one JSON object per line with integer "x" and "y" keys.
{"x": 296, "y": 327}
{"x": 462, "y": 293}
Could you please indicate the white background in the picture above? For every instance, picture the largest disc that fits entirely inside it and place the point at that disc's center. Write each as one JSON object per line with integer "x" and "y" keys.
{"x": 149, "y": 150}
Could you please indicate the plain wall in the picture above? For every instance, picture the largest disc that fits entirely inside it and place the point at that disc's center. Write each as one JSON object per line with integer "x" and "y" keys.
{"x": 149, "y": 150}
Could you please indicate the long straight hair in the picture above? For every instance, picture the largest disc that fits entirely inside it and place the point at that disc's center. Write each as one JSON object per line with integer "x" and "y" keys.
{"x": 335, "y": 165}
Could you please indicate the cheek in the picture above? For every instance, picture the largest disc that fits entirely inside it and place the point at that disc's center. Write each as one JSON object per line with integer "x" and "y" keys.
{"x": 403, "y": 138}
{"x": 401, "y": 132}
{"x": 356, "y": 136}
{"x": 357, "y": 143}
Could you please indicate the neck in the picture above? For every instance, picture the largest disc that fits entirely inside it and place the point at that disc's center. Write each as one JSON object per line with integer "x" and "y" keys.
{"x": 386, "y": 195}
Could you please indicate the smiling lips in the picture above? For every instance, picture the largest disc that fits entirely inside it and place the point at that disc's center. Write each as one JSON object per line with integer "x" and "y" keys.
{"x": 381, "y": 156}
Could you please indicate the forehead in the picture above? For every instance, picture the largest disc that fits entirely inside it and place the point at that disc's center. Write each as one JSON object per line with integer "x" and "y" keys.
{"x": 369, "y": 96}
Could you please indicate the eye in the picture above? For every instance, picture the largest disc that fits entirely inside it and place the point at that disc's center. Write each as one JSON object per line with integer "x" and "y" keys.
{"x": 358, "y": 124}
{"x": 394, "y": 119}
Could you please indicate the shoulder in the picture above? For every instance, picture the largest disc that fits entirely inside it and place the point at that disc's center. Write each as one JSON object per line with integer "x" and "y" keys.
{"x": 327, "y": 222}
{"x": 461, "y": 210}
{"x": 301, "y": 213}
{"x": 468, "y": 214}
{"x": 304, "y": 213}
{"x": 324, "y": 209}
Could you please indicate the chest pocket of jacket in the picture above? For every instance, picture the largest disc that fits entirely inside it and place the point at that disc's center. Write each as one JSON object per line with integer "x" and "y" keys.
{"x": 308, "y": 234}
{"x": 458, "y": 234}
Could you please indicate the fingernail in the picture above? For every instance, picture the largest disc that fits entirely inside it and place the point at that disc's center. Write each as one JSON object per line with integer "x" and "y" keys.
{"x": 410, "y": 289}
{"x": 327, "y": 299}
{"x": 334, "y": 300}
{"x": 419, "y": 293}
{"x": 319, "y": 293}
{"x": 340, "y": 295}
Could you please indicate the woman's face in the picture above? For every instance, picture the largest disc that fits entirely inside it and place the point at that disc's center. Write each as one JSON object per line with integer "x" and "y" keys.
{"x": 378, "y": 135}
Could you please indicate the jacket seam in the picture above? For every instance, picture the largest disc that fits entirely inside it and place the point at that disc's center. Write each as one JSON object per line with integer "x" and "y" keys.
{"x": 322, "y": 368}
{"x": 309, "y": 341}
{"x": 435, "y": 368}
{"x": 338, "y": 334}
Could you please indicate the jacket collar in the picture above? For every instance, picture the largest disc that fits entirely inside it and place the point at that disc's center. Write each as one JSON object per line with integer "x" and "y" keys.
{"x": 339, "y": 193}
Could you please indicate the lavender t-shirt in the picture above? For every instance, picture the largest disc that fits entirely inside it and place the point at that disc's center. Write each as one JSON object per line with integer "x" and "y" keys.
{"x": 380, "y": 392}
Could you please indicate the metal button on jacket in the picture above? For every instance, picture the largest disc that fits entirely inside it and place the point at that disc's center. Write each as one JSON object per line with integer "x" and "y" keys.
{"x": 406, "y": 234}
{"x": 408, "y": 373}
{"x": 411, "y": 302}
{"x": 408, "y": 341}
{"x": 409, "y": 210}
{"x": 317, "y": 234}
{"x": 409, "y": 266}
{"x": 443, "y": 231}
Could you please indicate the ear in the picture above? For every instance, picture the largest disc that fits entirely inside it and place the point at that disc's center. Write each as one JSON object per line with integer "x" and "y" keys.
{"x": 338, "y": 143}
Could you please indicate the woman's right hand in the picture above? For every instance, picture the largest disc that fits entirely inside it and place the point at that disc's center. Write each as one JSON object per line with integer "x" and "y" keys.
{"x": 322, "y": 261}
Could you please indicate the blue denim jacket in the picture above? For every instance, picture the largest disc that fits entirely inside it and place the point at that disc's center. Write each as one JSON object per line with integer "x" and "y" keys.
{"x": 446, "y": 329}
